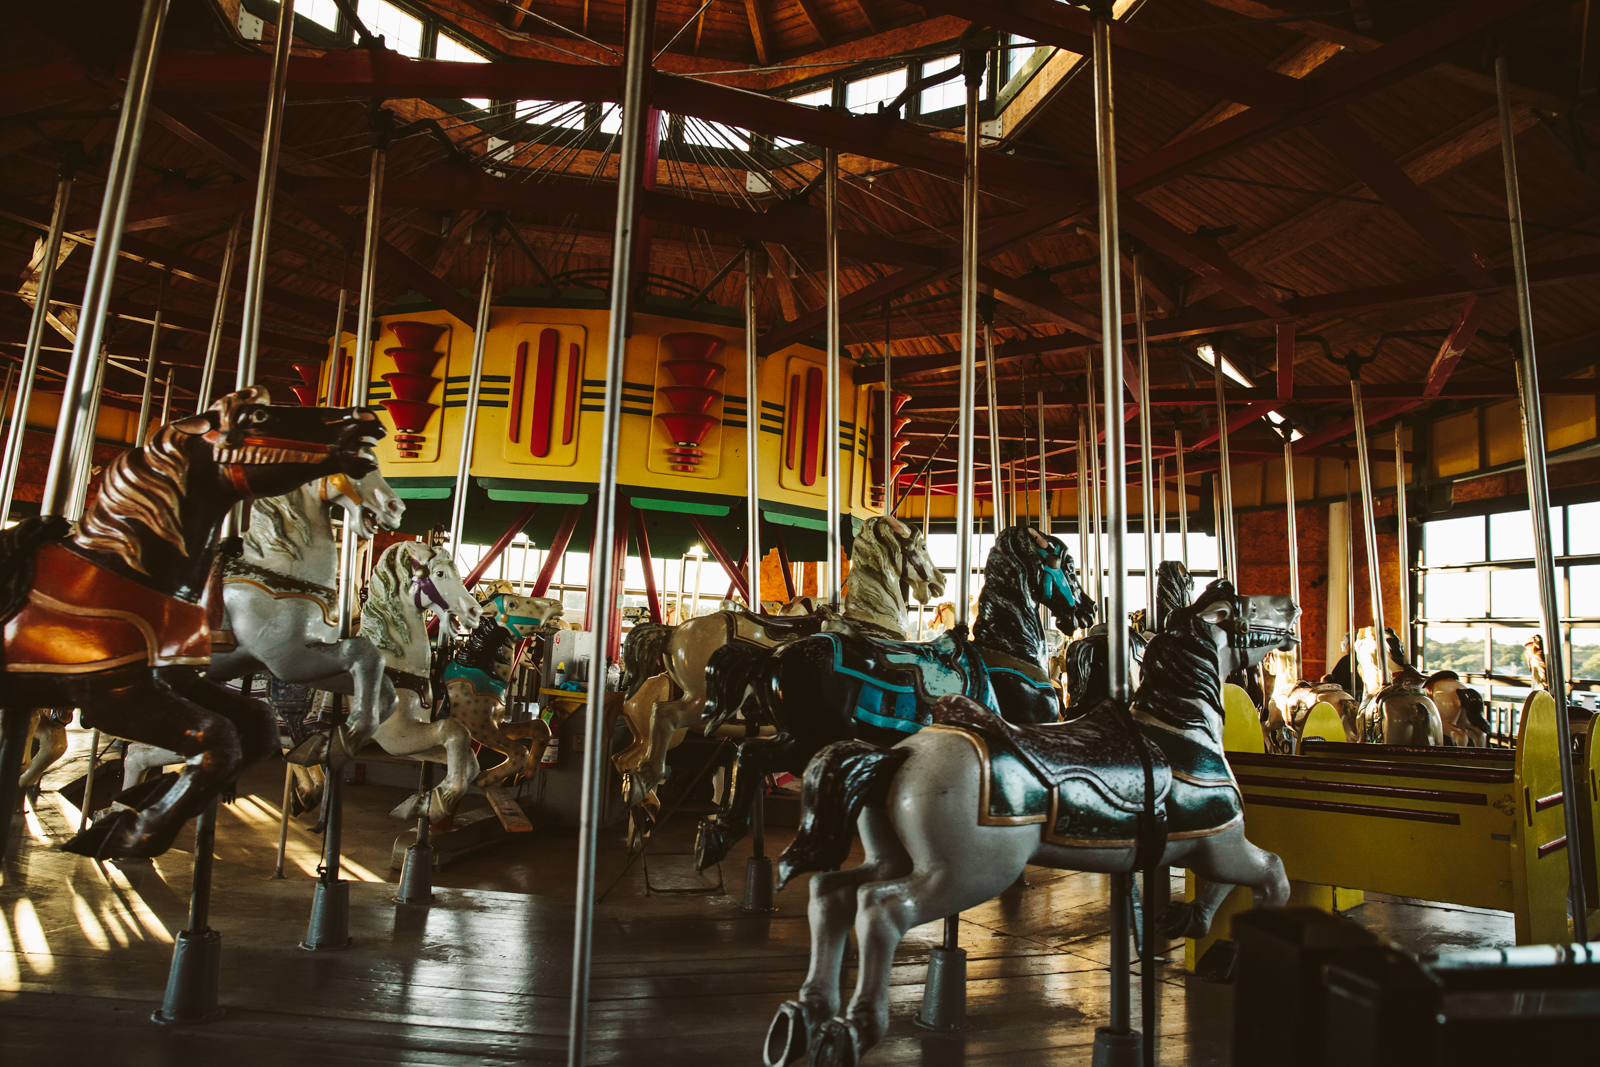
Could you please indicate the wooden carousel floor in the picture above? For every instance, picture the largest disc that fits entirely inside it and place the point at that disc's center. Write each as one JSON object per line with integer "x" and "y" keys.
{"x": 481, "y": 977}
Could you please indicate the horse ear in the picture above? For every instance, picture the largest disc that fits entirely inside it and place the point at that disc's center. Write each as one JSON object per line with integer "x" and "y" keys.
{"x": 194, "y": 425}
{"x": 1216, "y": 613}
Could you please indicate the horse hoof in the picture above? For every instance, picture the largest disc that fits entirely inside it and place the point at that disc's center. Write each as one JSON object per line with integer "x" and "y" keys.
{"x": 110, "y": 837}
{"x": 411, "y": 808}
{"x": 1217, "y": 964}
{"x": 1180, "y": 920}
{"x": 786, "y": 1037}
{"x": 836, "y": 1045}
{"x": 710, "y": 845}
{"x": 309, "y": 753}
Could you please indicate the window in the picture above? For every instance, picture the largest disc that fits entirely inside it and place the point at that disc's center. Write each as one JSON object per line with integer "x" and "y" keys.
{"x": 714, "y": 134}
{"x": 324, "y": 13}
{"x": 952, "y": 93}
{"x": 448, "y": 48}
{"x": 401, "y": 32}
{"x": 816, "y": 98}
{"x": 1017, "y": 55}
{"x": 865, "y": 94}
{"x": 552, "y": 113}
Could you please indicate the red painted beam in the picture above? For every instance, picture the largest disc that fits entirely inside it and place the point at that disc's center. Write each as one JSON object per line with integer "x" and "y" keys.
{"x": 22, "y": 91}
{"x": 501, "y": 543}
{"x": 558, "y": 547}
{"x": 1351, "y": 144}
{"x": 1455, "y": 345}
{"x": 734, "y": 572}
{"x": 171, "y": 210}
{"x": 641, "y": 534}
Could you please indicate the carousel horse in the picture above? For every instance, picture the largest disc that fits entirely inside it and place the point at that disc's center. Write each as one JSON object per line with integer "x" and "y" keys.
{"x": 1401, "y": 713}
{"x": 886, "y": 558}
{"x": 47, "y": 726}
{"x": 1533, "y": 656}
{"x": 1083, "y": 662}
{"x": 871, "y": 687}
{"x": 108, "y": 616}
{"x": 280, "y": 612}
{"x": 1307, "y": 695}
{"x": 952, "y": 814}
{"x": 1276, "y": 727}
{"x": 1460, "y": 709}
{"x": 1367, "y": 657}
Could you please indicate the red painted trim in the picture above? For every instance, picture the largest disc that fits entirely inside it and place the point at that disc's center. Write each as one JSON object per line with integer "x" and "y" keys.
{"x": 1444, "y": 818}
{"x": 544, "y": 393}
{"x": 500, "y": 545}
{"x": 517, "y": 385}
{"x": 710, "y": 540}
{"x": 1444, "y": 755}
{"x": 1552, "y": 846}
{"x": 642, "y": 536}
{"x": 1441, "y": 796}
{"x": 574, "y": 386}
{"x": 1551, "y": 801}
{"x": 783, "y": 562}
{"x": 744, "y": 560}
{"x": 792, "y": 428}
{"x": 1374, "y": 767}
{"x": 558, "y": 546}
{"x": 812, "y": 464}
{"x": 1455, "y": 345}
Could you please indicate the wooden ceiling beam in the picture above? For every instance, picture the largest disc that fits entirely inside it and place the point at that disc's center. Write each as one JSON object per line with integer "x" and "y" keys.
{"x": 814, "y": 17}
{"x": 758, "y": 30}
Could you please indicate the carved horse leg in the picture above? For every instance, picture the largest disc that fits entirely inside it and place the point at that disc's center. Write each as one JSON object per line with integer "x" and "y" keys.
{"x": 141, "y": 758}
{"x": 666, "y": 718}
{"x": 14, "y": 727}
{"x": 638, "y": 713}
{"x": 475, "y": 712}
{"x": 52, "y": 735}
{"x": 220, "y": 734}
{"x": 408, "y": 733}
{"x": 352, "y": 667}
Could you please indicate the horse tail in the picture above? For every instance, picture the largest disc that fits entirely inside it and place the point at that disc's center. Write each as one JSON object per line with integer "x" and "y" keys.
{"x": 641, "y": 654}
{"x": 730, "y": 672}
{"x": 839, "y": 782}
{"x": 1472, "y": 709}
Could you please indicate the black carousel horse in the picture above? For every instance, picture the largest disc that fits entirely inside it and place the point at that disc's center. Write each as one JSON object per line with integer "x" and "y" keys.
{"x": 110, "y": 617}
{"x": 838, "y": 686}
{"x": 1084, "y": 661}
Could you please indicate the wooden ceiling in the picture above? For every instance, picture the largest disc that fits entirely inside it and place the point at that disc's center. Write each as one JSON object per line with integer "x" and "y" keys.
{"x": 1312, "y": 216}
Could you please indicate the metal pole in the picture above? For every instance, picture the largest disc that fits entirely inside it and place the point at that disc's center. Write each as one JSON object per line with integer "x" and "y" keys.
{"x": 79, "y": 391}
{"x": 166, "y": 399}
{"x": 1097, "y": 514}
{"x": 1350, "y": 583}
{"x": 1369, "y": 532}
{"x": 255, "y": 279}
{"x": 1183, "y": 501}
{"x": 88, "y": 782}
{"x": 30, "y": 354}
{"x": 1146, "y": 474}
{"x": 469, "y": 428}
{"x": 150, "y": 366}
{"x": 283, "y": 819}
{"x": 1044, "y": 480}
{"x": 83, "y": 458}
{"x": 337, "y": 345}
{"x": 1227, "y": 552}
{"x": 752, "y": 433}
{"x": 635, "y": 111}
{"x": 1293, "y": 535}
{"x": 1002, "y": 507}
{"x": 1083, "y": 496}
{"x": 1161, "y": 472}
{"x": 888, "y": 419}
{"x": 219, "y": 316}
{"x": 1539, "y": 502}
{"x": 1404, "y": 536}
{"x": 830, "y": 432}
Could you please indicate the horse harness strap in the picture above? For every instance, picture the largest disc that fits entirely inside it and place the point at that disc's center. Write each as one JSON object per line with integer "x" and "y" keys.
{"x": 82, "y": 617}
{"x": 280, "y": 586}
{"x": 416, "y": 683}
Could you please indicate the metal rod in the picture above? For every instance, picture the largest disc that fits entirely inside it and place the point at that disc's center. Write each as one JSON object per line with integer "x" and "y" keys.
{"x": 205, "y": 842}
{"x": 336, "y": 346}
{"x": 1292, "y": 536}
{"x": 283, "y": 819}
{"x": 1147, "y": 501}
{"x": 1044, "y": 480}
{"x": 1161, "y": 471}
{"x": 145, "y": 397}
{"x": 88, "y": 781}
{"x": 255, "y": 278}
{"x": 1350, "y": 582}
{"x": 1404, "y": 536}
{"x": 635, "y": 111}
{"x": 1183, "y": 501}
{"x": 1539, "y": 501}
{"x": 1083, "y": 496}
{"x": 219, "y": 317}
{"x": 966, "y": 415}
{"x": 360, "y": 373}
{"x": 469, "y": 428}
{"x": 1002, "y": 506}
{"x": 30, "y": 353}
{"x": 1096, "y": 514}
{"x": 1227, "y": 561}
{"x": 889, "y": 500}
{"x": 166, "y": 399}
{"x": 752, "y": 433}
{"x": 1369, "y": 534}
{"x": 83, "y": 458}
{"x": 830, "y": 432}
{"x": 78, "y": 390}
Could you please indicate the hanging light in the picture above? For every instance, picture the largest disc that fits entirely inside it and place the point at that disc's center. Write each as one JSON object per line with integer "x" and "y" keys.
{"x": 1209, "y": 355}
{"x": 1277, "y": 420}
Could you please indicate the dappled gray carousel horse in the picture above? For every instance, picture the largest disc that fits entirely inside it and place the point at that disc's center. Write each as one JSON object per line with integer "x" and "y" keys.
{"x": 280, "y": 611}
{"x": 889, "y": 560}
{"x": 951, "y": 815}
{"x": 869, "y": 684}
{"x": 108, "y": 616}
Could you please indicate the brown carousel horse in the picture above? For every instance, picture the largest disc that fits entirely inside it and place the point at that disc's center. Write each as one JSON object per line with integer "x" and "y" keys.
{"x": 111, "y": 616}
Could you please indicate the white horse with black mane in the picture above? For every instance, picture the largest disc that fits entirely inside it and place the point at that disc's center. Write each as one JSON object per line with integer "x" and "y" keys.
{"x": 951, "y": 815}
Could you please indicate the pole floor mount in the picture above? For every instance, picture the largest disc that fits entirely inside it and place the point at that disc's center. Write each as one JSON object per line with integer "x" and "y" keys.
{"x": 416, "y": 876}
{"x": 330, "y": 918}
{"x": 944, "y": 996}
{"x": 193, "y": 981}
{"x": 758, "y": 886}
{"x": 1117, "y": 1050}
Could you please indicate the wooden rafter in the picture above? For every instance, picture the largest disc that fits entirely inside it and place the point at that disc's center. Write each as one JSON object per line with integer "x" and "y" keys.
{"x": 813, "y": 16}
{"x": 758, "y": 30}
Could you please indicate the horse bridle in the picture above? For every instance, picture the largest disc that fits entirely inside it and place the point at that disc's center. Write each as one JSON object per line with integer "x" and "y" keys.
{"x": 422, "y": 584}
{"x": 233, "y": 450}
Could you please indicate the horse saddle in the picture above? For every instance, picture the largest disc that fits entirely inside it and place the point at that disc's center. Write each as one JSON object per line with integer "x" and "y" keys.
{"x": 81, "y": 617}
{"x": 1082, "y": 779}
{"x": 901, "y": 680}
{"x": 772, "y": 629}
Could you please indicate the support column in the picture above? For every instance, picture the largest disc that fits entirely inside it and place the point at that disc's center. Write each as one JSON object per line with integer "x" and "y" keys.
{"x": 469, "y": 427}
{"x": 830, "y": 432}
{"x": 752, "y": 433}
{"x": 142, "y": 428}
{"x": 219, "y": 316}
{"x": 1183, "y": 500}
{"x": 1146, "y": 474}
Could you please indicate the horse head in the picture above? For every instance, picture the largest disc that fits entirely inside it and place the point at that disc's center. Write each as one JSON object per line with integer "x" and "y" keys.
{"x": 525, "y": 616}
{"x": 904, "y": 556}
{"x": 1053, "y": 578}
{"x": 368, "y": 501}
{"x": 436, "y": 586}
{"x": 1246, "y": 627}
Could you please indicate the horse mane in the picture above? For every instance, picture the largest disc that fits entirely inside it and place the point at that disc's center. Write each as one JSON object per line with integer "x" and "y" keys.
{"x": 1085, "y": 663}
{"x": 1442, "y": 676}
{"x": 280, "y": 525}
{"x": 142, "y": 490}
{"x": 1008, "y": 611}
{"x": 384, "y": 621}
{"x": 1174, "y": 590}
{"x": 641, "y": 654}
{"x": 1181, "y": 683}
{"x": 486, "y": 647}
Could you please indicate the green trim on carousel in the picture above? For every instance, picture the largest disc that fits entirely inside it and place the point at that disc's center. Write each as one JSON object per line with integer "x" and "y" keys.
{"x": 520, "y": 491}
{"x": 435, "y": 488}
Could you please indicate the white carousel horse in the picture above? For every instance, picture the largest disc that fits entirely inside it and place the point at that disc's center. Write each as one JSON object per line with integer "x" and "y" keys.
{"x": 1279, "y": 728}
{"x": 939, "y": 839}
{"x": 1460, "y": 709}
{"x": 1307, "y": 695}
{"x": 280, "y": 610}
{"x": 1399, "y": 713}
{"x": 49, "y": 727}
{"x": 1533, "y": 656}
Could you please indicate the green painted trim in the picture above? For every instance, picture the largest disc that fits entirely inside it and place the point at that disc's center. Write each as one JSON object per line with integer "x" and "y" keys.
{"x": 533, "y": 496}
{"x": 434, "y": 481}
{"x": 682, "y": 507}
{"x": 804, "y": 522}
{"x": 420, "y": 493}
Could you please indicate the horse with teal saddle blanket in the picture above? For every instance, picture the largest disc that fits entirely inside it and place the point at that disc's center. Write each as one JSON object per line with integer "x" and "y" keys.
{"x": 854, "y": 682}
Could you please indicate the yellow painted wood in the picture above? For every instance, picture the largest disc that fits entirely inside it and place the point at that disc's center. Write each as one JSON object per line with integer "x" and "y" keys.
{"x": 1301, "y": 894}
{"x": 1241, "y": 724}
{"x": 1323, "y": 722}
{"x": 511, "y": 816}
{"x": 1539, "y": 884}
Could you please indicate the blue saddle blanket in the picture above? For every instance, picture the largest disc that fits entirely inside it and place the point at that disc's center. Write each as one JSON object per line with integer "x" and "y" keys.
{"x": 901, "y": 680}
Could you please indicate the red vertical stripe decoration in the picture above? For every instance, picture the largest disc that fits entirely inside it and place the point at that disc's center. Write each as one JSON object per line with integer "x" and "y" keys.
{"x": 574, "y": 387}
{"x": 544, "y": 393}
{"x": 813, "y": 453}
{"x": 690, "y": 398}
{"x": 517, "y": 384}
{"x": 792, "y": 428}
